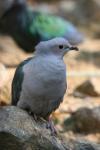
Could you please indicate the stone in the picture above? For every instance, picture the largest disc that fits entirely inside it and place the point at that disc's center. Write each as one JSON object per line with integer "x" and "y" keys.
{"x": 84, "y": 145}
{"x": 3, "y": 75}
{"x": 3, "y": 82}
{"x": 84, "y": 120}
{"x": 19, "y": 131}
{"x": 10, "y": 54}
{"x": 5, "y": 90}
{"x": 85, "y": 89}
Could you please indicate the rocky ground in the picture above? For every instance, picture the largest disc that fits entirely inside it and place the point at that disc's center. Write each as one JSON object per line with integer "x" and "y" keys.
{"x": 78, "y": 116}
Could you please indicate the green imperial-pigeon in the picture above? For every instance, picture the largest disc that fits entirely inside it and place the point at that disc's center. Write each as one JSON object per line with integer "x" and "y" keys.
{"x": 39, "y": 82}
{"x": 29, "y": 27}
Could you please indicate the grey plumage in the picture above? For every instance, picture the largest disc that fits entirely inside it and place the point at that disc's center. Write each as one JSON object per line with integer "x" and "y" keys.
{"x": 17, "y": 82}
{"x": 39, "y": 83}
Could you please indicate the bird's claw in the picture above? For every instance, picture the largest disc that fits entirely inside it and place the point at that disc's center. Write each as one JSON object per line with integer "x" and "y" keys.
{"x": 50, "y": 125}
{"x": 33, "y": 115}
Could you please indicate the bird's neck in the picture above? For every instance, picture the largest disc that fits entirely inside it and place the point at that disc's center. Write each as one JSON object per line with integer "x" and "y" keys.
{"x": 48, "y": 53}
{"x": 49, "y": 56}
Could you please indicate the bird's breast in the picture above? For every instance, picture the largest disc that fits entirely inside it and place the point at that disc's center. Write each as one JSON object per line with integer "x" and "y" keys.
{"x": 53, "y": 70}
{"x": 45, "y": 76}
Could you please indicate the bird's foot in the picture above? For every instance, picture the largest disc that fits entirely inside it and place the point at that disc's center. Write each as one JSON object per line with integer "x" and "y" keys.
{"x": 50, "y": 125}
{"x": 36, "y": 118}
{"x": 33, "y": 115}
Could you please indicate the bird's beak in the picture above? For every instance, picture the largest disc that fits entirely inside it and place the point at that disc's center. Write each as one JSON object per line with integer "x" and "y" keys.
{"x": 74, "y": 48}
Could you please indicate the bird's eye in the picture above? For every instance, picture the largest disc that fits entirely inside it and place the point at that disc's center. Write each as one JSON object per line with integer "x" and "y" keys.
{"x": 61, "y": 46}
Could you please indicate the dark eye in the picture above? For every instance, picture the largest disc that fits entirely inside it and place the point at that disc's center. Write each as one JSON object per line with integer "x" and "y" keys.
{"x": 61, "y": 46}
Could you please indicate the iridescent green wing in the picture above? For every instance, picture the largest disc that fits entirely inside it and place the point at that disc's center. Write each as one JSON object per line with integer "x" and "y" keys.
{"x": 48, "y": 26}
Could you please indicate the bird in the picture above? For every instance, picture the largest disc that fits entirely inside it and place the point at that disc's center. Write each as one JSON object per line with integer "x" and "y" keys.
{"x": 28, "y": 27}
{"x": 39, "y": 83}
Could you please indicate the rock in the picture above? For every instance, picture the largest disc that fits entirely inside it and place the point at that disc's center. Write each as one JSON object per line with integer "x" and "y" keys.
{"x": 84, "y": 120}
{"x": 3, "y": 82}
{"x": 84, "y": 145}
{"x": 87, "y": 88}
{"x": 5, "y": 90}
{"x": 10, "y": 54}
{"x": 19, "y": 131}
{"x": 3, "y": 75}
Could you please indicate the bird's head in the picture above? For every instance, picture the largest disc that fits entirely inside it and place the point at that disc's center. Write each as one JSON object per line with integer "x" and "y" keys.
{"x": 58, "y": 46}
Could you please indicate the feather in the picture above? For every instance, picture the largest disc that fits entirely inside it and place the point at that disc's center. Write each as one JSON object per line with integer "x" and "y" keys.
{"x": 29, "y": 27}
{"x": 17, "y": 82}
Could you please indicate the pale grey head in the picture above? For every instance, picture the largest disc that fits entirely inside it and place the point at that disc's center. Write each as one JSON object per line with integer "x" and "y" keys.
{"x": 58, "y": 46}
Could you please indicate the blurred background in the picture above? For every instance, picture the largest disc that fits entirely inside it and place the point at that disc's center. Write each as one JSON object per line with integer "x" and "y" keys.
{"x": 79, "y": 114}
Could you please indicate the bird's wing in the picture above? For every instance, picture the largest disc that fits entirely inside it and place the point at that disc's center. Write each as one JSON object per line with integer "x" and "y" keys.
{"x": 17, "y": 82}
{"x": 47, "y": 26}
